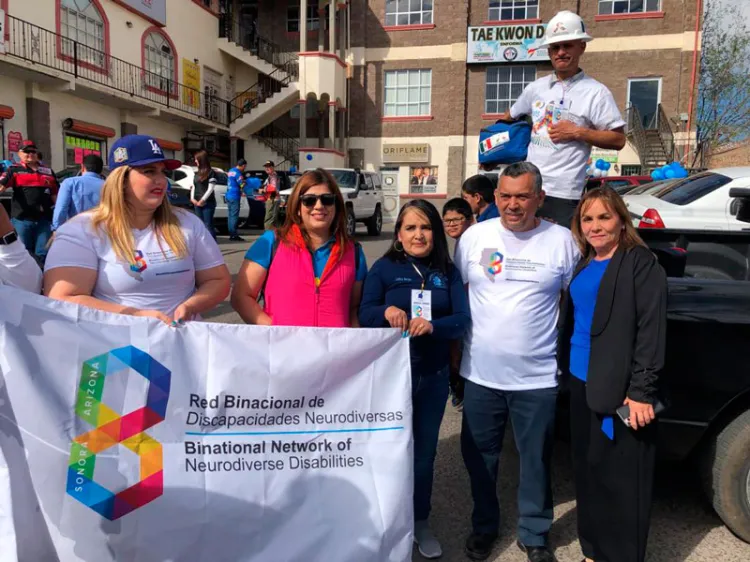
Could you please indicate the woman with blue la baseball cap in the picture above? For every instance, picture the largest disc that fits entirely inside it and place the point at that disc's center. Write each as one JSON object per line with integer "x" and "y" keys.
{"x": 134, "y": 253}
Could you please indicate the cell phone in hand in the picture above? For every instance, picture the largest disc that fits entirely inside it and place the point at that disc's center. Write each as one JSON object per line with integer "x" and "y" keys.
{"x": 623, "y": 412}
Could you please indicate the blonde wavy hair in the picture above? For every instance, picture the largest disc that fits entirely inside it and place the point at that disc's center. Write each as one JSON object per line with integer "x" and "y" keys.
{"x": 612, "y": 201}
{"x": 114, "y": 217}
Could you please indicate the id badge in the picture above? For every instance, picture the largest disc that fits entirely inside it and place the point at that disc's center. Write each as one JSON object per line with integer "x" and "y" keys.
{"x": 561, "y": 112}
{"x": 421, "y": 304}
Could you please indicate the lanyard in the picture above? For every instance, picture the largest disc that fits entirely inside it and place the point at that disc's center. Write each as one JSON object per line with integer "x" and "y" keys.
{"x": 421, "y": 276}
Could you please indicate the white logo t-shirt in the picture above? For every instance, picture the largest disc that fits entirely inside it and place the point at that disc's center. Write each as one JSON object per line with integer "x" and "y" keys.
{"x": 159, "y": 280}
{"x": 515, "y": 281}
{"x": 581, "y": 100}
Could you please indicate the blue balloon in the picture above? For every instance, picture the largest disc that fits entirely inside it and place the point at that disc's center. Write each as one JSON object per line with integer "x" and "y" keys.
{"x": 682, "y": 173}
{"x": 252, "y": 185}
{"x": 657, "y": 175}
{"x": 293, "y": 169}
{"x": 607, "y": 166}
{"x": 670, "y": 174}
{"x": 309, "y": 156}
{"x": 600, "y": 164}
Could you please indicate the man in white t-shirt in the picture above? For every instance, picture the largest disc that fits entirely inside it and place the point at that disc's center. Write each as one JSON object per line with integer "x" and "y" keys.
{"x": 515, "y": 268}
{"x": 571, "y": 112}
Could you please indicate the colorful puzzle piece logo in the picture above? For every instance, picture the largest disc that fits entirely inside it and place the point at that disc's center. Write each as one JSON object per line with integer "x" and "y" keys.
{"x": 140, "y": 263}
{"x": 496, "y": 263}
{"x": 111, "y": 429}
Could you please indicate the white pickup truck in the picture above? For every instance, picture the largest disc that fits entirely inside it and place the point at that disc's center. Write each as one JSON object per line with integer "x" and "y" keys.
{"x": 363, "y": 197}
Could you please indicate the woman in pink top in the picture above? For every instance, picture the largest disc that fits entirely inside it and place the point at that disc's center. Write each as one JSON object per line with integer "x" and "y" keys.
{"x": 309, "y": 272}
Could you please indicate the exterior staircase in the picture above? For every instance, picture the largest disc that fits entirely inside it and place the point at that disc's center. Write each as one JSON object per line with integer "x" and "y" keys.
{"x": 263, "y": 102}
{"x": 277, "y": 89}
{"x": 280, "y": 143}
{"x": 242, "y": 41}
{"x": 654, "y": 143}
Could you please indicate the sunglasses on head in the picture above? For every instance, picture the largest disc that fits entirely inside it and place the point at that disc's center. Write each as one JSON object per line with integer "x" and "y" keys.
{"x": 327, "y": 199}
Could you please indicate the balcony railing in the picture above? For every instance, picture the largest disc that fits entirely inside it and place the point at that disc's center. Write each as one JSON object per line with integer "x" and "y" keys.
{"x": 41, "y": 47}
{"x": 245, "y": 34}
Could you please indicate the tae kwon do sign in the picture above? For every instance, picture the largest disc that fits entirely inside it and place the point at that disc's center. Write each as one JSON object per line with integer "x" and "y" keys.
{"x": 506, "y": 43}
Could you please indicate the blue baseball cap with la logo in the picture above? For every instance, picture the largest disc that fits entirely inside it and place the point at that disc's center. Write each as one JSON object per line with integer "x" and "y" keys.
{"x": 138, "y": 150}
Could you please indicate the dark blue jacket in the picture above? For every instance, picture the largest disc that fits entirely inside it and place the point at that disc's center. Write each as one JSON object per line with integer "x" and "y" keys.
{"x": 490, "y": 212}
{"x": 390, "y": 283}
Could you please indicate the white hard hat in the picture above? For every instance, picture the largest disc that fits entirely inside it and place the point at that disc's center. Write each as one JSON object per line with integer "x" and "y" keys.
{"x": 565, "y": 26}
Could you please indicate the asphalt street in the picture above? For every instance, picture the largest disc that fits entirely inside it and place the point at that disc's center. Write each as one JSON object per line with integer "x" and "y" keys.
{"x": 683, "y": 526}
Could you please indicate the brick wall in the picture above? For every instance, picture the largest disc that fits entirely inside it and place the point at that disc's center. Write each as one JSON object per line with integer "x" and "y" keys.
{"x": 480, "y": 10}
{"x": 447, "y": 98}
{"x": 738, "y": 156}
{"x": 449, "y": 17}
{"x": 679, "y": 16}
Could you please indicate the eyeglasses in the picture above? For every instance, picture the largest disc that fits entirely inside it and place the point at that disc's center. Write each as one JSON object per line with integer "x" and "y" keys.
{"x": 453, "y": 222}
{"x": 327, "y": 199}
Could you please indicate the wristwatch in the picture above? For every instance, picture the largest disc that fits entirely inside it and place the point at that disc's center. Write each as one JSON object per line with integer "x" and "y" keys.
{"x": 8, "y": 238}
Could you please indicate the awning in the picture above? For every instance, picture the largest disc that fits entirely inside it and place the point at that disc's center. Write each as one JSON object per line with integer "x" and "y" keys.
{"x": 6, "y": 112}
{"x": 169, "y": 145}
{"x": 84, "y": 128}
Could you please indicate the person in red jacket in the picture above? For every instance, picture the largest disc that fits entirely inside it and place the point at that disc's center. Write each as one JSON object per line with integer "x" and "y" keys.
{"x": 34, "y": 193}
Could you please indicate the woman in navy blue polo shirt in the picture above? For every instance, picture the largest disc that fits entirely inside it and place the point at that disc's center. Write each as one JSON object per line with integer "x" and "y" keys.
{"x": 414, "y": 287}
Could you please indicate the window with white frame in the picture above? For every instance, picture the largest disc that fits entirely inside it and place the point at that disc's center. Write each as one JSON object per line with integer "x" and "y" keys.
{"x": 609, "y": 7}
{"x": 408, "y": 12}
{"x": 504, "y": 84}
{"x": 407, "y": 93}
{"x": 501, "y": 10}
{"x": 160, "y": 63}
{"x": 80, "y": 21}
{"x": 293, "y": 17}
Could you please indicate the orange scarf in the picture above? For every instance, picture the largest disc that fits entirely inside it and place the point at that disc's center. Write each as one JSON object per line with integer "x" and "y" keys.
{"x": 295, "y": 238}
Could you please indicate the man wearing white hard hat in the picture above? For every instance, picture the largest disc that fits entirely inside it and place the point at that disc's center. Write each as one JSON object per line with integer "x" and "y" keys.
{"x": 571, "y": 112}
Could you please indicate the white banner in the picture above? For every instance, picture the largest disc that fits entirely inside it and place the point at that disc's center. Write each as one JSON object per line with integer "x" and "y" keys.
{"x": 506, "y": 43}
{"x": 122, "y": 439}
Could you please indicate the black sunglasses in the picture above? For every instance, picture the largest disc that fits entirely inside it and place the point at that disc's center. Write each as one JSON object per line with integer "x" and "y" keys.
{"x": 327, "y": 199}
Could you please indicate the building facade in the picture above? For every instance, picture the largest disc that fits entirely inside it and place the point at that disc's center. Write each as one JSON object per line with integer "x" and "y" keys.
{"x": 402, "y": 87}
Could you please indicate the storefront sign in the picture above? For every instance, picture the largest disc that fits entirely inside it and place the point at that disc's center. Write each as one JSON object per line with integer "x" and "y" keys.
{"x": 77, "y": 148}
{"x": 191, "y": 77}
{"x": 14, "y": 141}
{"x": 506, "y": 43}
{"x": 406, "y": 153}
{"x": 423, "y": 179}
{"x": 611, "y": 156}
{"x": 153, "y": 10}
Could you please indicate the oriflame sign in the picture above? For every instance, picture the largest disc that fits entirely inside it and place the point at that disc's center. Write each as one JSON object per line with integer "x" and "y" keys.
{"x": 506, "y": 43}
{"x": 393, "y": 153}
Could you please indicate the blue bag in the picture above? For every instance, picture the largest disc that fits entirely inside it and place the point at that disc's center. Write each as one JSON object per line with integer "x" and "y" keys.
{"x": 504, "y": 143}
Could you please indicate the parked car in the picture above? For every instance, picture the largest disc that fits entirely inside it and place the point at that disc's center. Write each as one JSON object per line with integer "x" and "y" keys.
{"x": 363, "y": 194}
{"x": 621, "y": 184}
{"x": 178, "y": 195}
{"x": 699, "y": 202}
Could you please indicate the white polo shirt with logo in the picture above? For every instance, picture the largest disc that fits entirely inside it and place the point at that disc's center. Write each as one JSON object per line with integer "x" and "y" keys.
{"x": 581, "y": 100}
{"x": 515, "y": 282}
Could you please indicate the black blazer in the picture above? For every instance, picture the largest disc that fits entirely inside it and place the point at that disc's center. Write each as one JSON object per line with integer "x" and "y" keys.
{"x": 628, "y": 332}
